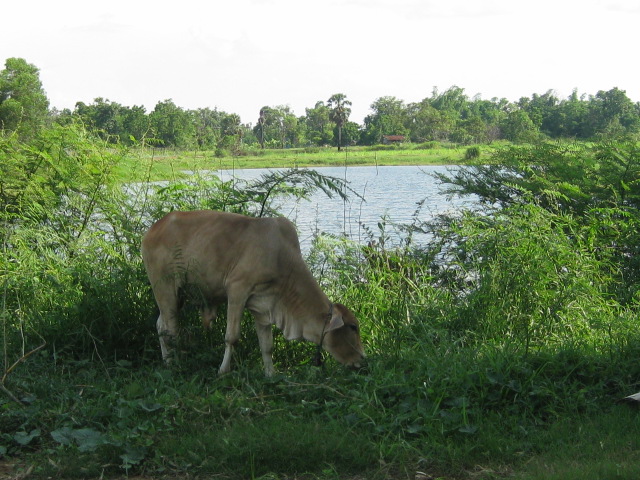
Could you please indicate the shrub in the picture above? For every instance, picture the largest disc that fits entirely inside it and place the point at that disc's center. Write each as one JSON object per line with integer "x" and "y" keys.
{"x": 381, "y": 147}
{"x": 432, "y": 145}
{"x": 522, "y": 281}
{"x": 472, "y": 153}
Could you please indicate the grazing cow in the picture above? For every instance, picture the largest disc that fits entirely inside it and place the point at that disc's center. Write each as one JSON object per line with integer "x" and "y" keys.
{"x": 252, "y": 263}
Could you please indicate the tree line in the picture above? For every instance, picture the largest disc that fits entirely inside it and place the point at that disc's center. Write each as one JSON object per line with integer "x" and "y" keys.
{"x": 447, "y": 116}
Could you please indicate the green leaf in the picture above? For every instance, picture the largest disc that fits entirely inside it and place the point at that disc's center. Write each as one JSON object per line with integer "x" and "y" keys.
{"x": 150, "y": 407}
{"x": 414, "y": 429}
{"x": 24, "y": 438}
{"x": 63, "y": 435}
{"x": 132, "y": 456}
{"x": 469, "y": 429}
{"x": 88, "y": 439}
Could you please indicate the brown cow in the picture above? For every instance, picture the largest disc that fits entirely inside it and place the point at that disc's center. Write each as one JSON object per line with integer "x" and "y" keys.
{"x": 253, "y": 263}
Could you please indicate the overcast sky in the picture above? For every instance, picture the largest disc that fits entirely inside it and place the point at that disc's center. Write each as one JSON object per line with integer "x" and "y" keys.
{"x": 239, "y": 55}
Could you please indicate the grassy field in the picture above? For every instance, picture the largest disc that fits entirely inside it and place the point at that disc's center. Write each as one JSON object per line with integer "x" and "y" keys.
{"x": 169, "y": 164}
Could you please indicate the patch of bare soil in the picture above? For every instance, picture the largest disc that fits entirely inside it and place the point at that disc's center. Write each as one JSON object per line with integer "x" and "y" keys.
{"x": 13, "y": 471}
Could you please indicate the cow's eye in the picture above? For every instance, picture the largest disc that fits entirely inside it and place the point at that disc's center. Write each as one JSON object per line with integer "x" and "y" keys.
{"x": 353, "y": 327}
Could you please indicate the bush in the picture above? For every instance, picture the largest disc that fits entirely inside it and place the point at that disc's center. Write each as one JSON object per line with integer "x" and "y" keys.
{"x": 472, "y": 153}
{"x": 529, "y": 285}
{"x": 432, "y": 145}
{"x": 381, "y": 147}
{"x": 597, "y": 186}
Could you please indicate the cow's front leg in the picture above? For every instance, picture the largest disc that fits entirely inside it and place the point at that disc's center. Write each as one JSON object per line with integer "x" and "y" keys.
{"x": 234, "y": 319}
{"x": 167, "y": 330}
{"x": 265, "y": 338}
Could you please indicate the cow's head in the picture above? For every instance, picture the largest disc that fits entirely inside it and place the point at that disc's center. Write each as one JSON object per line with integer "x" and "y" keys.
{"x": 342, "y": 337}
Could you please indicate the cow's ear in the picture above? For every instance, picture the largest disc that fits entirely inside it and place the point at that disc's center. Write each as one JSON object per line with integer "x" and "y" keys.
{"x": 335, "y": 322}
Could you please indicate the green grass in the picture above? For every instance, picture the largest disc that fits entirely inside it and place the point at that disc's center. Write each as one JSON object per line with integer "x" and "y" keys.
{"x": 605, "y": 446}
{"x": 168, "y": 164}
{"x": 469, "y": 417}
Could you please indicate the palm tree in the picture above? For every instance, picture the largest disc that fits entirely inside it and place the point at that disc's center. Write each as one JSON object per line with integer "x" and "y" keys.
{"x": 261, "y": 120}
{"x": 339, "y": 113}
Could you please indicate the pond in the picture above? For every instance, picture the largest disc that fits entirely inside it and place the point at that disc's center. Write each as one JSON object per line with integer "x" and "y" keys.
{"x": 399, "y": 194}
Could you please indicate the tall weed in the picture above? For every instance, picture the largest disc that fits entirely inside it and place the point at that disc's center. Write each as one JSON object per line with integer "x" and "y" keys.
{"x": 533, "y": 280}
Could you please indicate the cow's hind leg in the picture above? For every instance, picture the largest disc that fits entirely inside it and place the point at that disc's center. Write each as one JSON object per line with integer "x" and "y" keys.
{"x": 265, "y": 337}
{"x": 167, "y": 324}
{"x": 235, "y": 307}
{"x": 167, "y": 330}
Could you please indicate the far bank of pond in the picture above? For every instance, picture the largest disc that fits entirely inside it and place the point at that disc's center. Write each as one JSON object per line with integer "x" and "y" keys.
{"x": 164, "y": 164}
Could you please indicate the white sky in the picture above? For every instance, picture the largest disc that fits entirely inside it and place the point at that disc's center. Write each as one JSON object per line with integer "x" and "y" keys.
{"x": 239, "y": 55}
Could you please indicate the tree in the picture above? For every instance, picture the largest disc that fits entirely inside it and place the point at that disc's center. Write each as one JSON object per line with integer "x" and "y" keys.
{"x": 351, "y": 133}
{"x": 544, "y": 112}
{"x": 262, "y": 119}
{"x": 277, "y": 125}
{"x": 428, "y": 123}
{"x": 573, "y": 113}
{"x": 102, "y": 115}
{"x": 452, "y": 99}
{"x": 518, "y": 127}
{"x": 318, "y": 123}
{"x": 114, "y": 122}
{"x": 173, "y": 125}
{"x": 24, "y": 106}
{"x": 207, "y": 127}
{"x": 339, "y": 112}
{"x": 135, "y": 124}
{"x": 231, "y": 133}
{"x": 389, "y": 117}
{"x": 612, "y": 111}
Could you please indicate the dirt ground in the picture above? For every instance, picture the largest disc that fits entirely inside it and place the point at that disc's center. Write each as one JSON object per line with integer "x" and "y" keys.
{"x": 17, "y": 471}
{"x": 13, "y": 470}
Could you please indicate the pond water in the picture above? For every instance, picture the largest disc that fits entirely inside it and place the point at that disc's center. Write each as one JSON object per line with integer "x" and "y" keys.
{"x": 397, "y": 194}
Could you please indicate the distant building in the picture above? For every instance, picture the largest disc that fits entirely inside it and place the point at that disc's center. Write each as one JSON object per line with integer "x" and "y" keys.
{"x": 390, "y": 139}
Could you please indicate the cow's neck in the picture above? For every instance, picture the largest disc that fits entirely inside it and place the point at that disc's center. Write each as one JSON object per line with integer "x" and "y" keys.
{"x": 304, "y": 311}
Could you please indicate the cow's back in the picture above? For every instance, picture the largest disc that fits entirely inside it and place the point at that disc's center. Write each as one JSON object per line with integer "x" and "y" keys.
{"x": 212, "y": 247}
